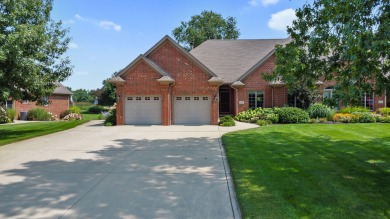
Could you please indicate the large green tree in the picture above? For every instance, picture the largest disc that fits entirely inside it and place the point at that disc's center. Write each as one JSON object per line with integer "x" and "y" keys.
{"x": 208, "y": 25}
{"x": 31, "y": 50}
{"x": 347, "y": 41}
{"x": 82, "y": 95}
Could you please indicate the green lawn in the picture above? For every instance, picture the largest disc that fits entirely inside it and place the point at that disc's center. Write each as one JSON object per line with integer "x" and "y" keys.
{"x": 312, "y": 171}
{"x": 16, "y": 132}
{"x": 90, "y": 116}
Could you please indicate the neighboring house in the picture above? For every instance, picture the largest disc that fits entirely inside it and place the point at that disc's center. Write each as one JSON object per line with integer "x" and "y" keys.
{"x": 168, "y": 85}
{"x": 57, "y": 102}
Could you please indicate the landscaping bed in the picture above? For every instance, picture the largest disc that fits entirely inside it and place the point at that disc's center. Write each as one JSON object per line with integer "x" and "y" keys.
{"x": 312, "y": 170}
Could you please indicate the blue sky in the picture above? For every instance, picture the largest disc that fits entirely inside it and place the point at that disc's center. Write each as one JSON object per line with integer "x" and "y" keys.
{"x": 108, "y": 34}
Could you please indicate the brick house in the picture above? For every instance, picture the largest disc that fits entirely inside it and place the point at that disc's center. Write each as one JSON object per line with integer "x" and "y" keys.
{"x": 168, "y": 85}
{"x": 57, "y": 102}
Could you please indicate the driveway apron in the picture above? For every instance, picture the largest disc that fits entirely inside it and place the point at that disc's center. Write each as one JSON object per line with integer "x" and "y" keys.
{"x": 94, "y": 171}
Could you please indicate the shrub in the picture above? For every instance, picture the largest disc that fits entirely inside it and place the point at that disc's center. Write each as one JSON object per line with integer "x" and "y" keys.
{"x": 363, "y": 117}
{"x": 353, "y": 109}
{"x": 73, "y": 116}
{"x": 385, "y": 111}
{"x": 319, "y": 111}
{"x": 11, "y": 114}
{"x": 384, "y": 119}
{"x": 111, "y": 118}
{"x": 262, "y": 122}
{"x": 342, "y": 117}
{"x": 3, "y": 115}
{"x": 64, "y": 113}
{"x": 292, "y": 115}
{"x": 96, "y": 109}
{"x": 74, "y": 109}
{"x": 39, "y": 114}
{"x": 248, "y": 115}
{"x": 227, "y": 121}
{"x": 274, "y": 118}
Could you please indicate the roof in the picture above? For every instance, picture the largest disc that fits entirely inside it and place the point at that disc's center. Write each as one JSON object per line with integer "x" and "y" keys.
{"x": 233, "y": 60}
{"x": 149, "y": 62}
{"x": 61, "y": 89}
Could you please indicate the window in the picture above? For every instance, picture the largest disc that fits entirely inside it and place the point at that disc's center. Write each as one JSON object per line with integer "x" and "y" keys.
{"x": 130, "y": 98}
{"x": 138, "y": 98}
{"x": 25, "y": 102}
{"x": 205, "y": 98}
{"x": 196, "y": 98}
{"x": 178, "y": 98}
{"x": 187, "y": 98}
{"x": 367, "y": 101}
{"x": 156, "y": 98}
{"x": 45, "y": 100}
{"x": 256, "y": 99}
{"x": 9, "y": 104}
{"x": 147, "y": 98}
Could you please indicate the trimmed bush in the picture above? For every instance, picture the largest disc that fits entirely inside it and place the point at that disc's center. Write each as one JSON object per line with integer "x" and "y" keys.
{"x": 353, "y": 109}
{"x": 319, "y": 111}
{"x": 262, "y": 122}
{"x": 64, "y": 113}
{"x": 3, "y": 116}
{"x": 384, "y": 119}
{"x": 38, "y": 114}
{"x": 111, "y": 118}
{"x": 11, "y": 114}
{"x": 227, "y": 121}
{"x": 248, "y": 115}
{"x": 342, "y": 117}
{"x": 274, "y": 118}
{"x": 385, "y": 111}
{"x": 74, "y": 109}
{"x": 96, "y": 109}
{"x": 363, "y": 117}
{"x": 292, "y": 115}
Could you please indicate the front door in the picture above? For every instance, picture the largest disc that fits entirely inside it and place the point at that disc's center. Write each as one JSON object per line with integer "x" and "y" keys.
{"x": 225, "y": 101}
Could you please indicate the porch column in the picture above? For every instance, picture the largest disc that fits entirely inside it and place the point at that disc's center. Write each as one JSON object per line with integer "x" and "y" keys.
{"x": 165, "y": 105}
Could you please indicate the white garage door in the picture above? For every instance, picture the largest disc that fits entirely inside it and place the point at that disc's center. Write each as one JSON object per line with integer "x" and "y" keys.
{"x": 143, "y": 110}
{"x": 192, "y": 110}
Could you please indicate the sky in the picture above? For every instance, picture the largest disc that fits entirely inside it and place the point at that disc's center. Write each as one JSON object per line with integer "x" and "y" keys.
{"x": 108, "y": 34}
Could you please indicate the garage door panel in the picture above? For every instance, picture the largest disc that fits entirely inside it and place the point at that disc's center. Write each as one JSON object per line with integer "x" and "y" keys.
{"x": 143, "y": 110}
{"x": 192, "y": 110}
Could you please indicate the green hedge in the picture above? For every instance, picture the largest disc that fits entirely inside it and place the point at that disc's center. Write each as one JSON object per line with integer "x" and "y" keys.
{"x": 227, "y": 121}
{"x": 292, "y": 115}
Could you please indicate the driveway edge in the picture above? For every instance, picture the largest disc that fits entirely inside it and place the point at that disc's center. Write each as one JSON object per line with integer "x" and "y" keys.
{"x": 229, "y": 180}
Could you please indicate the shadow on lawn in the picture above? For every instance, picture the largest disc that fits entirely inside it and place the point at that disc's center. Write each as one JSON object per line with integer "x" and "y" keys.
{"x": 128, "y": 186}
{"x": 292, "y": 176}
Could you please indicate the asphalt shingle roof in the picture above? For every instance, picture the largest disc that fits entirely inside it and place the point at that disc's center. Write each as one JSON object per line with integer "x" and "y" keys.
{"x": 231, "y": 59}
{"x": 61, "y": 89}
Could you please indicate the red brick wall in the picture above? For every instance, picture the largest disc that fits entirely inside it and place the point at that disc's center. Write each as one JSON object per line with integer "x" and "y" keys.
{"x": 189, "y": 80}
{"x": 255, "y": 82}
{"x": 58, "y": 104}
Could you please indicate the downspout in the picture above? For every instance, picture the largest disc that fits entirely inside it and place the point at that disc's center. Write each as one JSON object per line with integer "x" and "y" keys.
{"x": 385, "y": 99}
{"x": 236, "y": 99}
{"x": 272, "y": 93}
{"x": 170, "y": 102}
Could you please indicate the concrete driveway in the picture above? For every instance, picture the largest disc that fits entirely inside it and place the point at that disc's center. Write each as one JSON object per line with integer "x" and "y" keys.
{"x": 94, "y": 171}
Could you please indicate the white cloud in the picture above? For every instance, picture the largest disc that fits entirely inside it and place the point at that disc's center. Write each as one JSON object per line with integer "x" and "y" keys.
{"x": 282, "y": 19}
{"x": 109, "y": 25}
{"x": 77, "y": 16}
{"x": 73, "y": 45}
{"x": 269, "y": 2}
{"x": 264, "y": 2}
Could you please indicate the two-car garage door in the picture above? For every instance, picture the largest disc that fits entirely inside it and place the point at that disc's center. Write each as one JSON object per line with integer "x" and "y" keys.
{"x": 146, "y": 110}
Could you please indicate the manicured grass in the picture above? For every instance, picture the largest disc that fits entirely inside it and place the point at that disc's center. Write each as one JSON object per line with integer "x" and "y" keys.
{"x": 312, "y": 171}
{"x": 11, "y": 133}
{"x": 90, "y": 116}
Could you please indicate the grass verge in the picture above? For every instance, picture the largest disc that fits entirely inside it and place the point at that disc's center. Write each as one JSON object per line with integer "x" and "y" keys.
{"x": 312, "y": 171}
{"x": 17, "y": 132}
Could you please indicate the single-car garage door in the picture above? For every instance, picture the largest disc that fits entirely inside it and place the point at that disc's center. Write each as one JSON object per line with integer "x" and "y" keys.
{"x": 192, "y": 110}
{"x": 143, "y": 110}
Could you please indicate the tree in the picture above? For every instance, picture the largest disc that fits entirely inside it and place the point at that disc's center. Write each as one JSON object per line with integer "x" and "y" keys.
{"x": 347, "y": 41}
{"x": 108, "y": 94}
{"x": 208, "y": 25}
{"x": 31, "y": 50}
{"x": 82, "y": 95}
